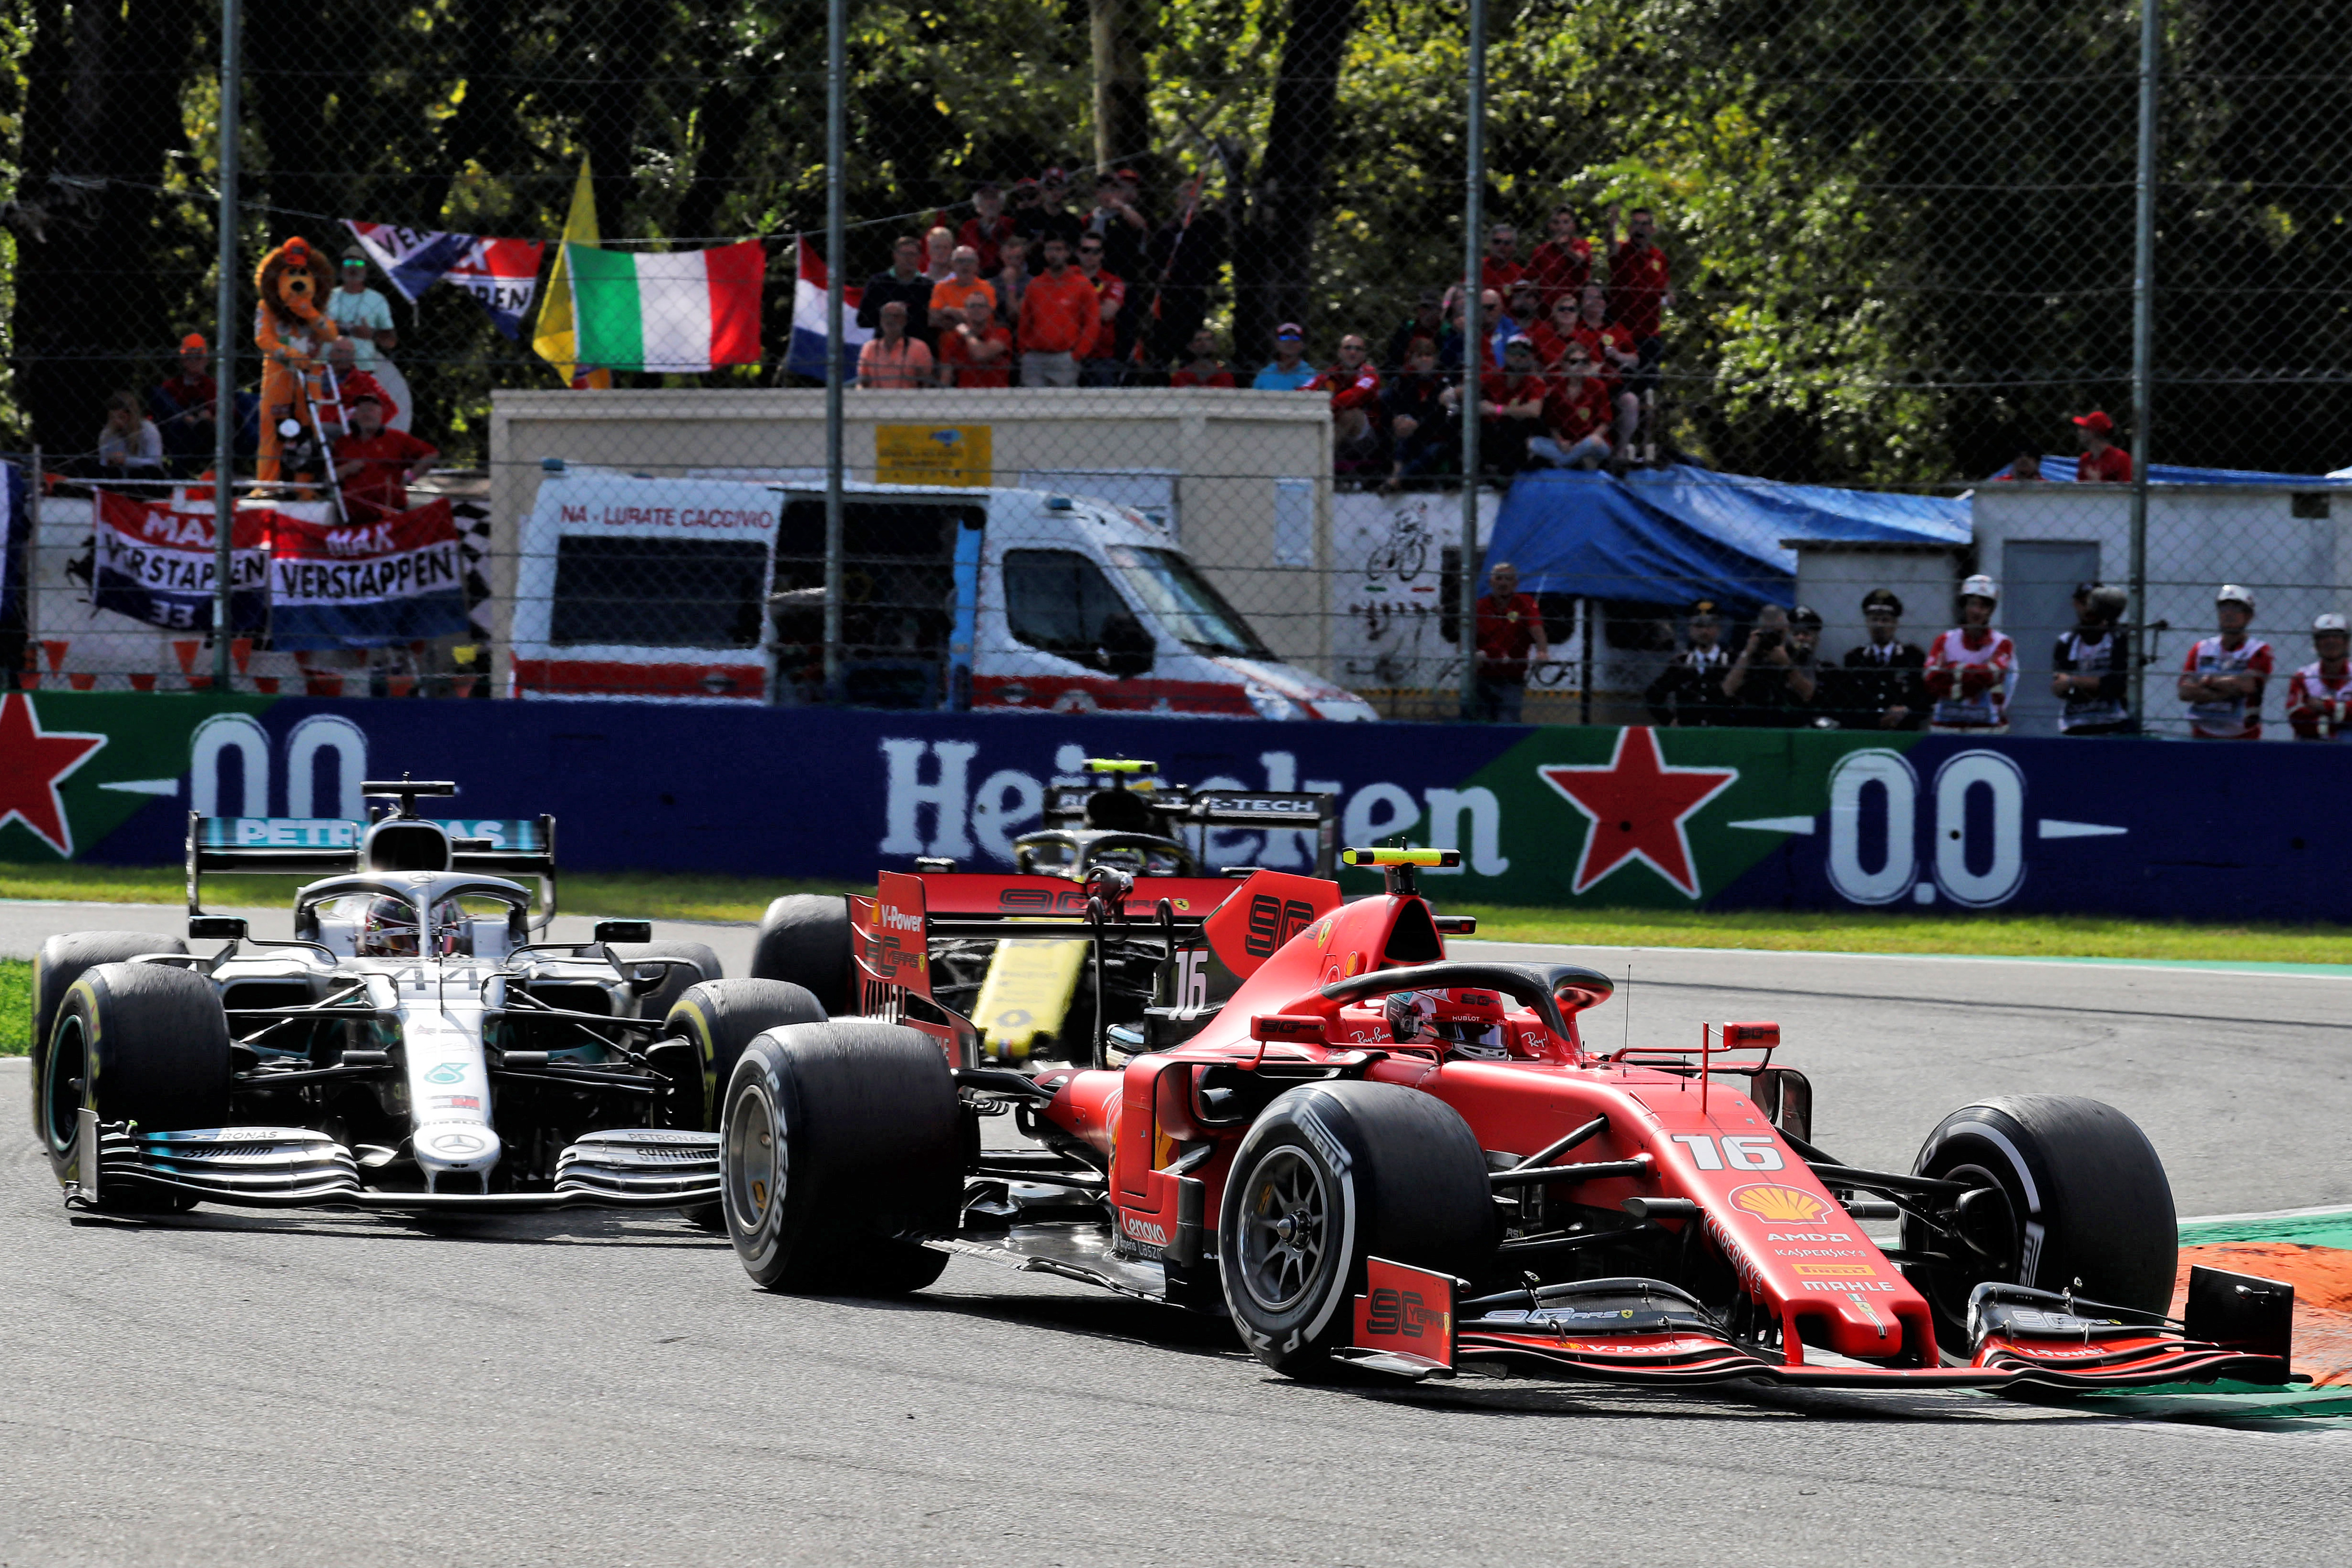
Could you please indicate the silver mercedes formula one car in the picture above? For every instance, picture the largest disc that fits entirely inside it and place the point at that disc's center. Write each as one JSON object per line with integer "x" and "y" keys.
{"x": 411, "y": 1048}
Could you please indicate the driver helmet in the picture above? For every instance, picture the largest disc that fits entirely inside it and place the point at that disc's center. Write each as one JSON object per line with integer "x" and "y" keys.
{"x": 388, "y": 930}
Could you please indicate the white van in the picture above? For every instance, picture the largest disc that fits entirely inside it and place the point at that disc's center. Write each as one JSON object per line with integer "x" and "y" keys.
{"x": 981, "y": 598}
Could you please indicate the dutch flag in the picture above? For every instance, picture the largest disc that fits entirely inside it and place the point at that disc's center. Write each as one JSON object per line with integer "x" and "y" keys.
{"x": 807, "y": 356}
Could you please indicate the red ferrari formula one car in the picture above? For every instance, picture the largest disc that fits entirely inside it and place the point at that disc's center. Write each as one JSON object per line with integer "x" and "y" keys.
{"x": 1366, "y": 1153}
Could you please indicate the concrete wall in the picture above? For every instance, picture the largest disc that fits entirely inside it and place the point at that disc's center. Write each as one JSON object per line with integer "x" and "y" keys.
{"x": 1236, "y": 457}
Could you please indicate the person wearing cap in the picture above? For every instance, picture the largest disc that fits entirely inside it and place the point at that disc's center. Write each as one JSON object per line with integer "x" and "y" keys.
{"x": 365, "y": 317}
{"x": 2101, "y": 461}
{"x": 1521, "y": 308}
{"x": 1879, "y": 683}
{"x": 1511, "y": 406}
{"x": 1689, "y": 691}
{"x": 374, "y": 464}
{"x": 1972, "y": 667}
{"x": 2319, "y": 695}
{"x": 1289, "y": 370}
{"x": 1510, "y": 632}
{"x": 988, "y": 227}
{"x": 182, "y": 406}
{"x": 1767, "y": 680}
{"x": 2090, "y": 666}
{"x": 1060, "y": 314}
{"x": 2223, "y": 678}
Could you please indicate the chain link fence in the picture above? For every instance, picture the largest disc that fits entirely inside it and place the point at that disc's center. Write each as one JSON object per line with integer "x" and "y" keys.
{"x": 1779, "y": 267}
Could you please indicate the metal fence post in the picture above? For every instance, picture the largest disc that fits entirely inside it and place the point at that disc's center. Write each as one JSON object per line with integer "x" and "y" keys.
{"x": 2143, "y": 348}
{"x": 224, "y": 420}
{"x": 837, "y": 93}
{"x": 1473, "y": 355}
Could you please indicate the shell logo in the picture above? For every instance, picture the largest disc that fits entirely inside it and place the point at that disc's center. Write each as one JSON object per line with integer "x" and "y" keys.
{"x": 1780, "y": 1205}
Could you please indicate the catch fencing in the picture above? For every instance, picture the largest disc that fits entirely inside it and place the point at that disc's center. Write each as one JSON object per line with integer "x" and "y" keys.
{"x": 1892, "y": 249}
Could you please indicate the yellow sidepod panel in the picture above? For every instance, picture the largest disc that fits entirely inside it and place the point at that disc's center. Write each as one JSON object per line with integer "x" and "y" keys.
{"x": 1027, "y": 994}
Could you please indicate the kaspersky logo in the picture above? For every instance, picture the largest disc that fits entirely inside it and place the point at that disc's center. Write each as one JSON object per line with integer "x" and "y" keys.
{"x": 1778, "y": 1204}
{"x": 1638, "y": 809}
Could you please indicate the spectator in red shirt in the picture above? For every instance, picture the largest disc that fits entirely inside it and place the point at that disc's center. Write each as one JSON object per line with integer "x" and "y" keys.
{"x": 1613, "y": 356}
{"x": 351, "y": 384}
{"x": 1510, "y": 633}
{"x": 183, "y": 406}
{"x": 1579, "y": 414}
{"x": 975, "y": 351}
{"x": 1511, "y": 408}
{"x": 986, "y": 230}
{"x": 375, "y": 466}
{"x": 1060, "y": 314}
{"x": 1556, "y": 334}
{"x": 1641, "y": 290}
{"x": 2023, "y": 468}
{"x": 2102, "y": 460}
{"x": 1203, "y": 367}
{"x": 1501, "y": 267}
{"x": 1354, "y": 385}
{"x": 1107, "y": 357}
{"x": 1562, "y": 265}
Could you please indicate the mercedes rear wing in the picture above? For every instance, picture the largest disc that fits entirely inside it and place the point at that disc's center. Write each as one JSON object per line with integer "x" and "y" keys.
{"x": 312, "y": 847}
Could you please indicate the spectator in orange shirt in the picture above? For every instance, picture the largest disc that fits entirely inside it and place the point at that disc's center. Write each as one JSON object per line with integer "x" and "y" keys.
{"x": 2102, "y": 460}
{"x": 1562, "y": 265}
{"x": 1354, "y": 386}
{"x": 1500, "y": 267}
{"x": 948, "y": 298}
{"x": 975, "y": 350}
{"x": 1202, "y": 368}
{"x": 893, "y": 358}
{"x": 1106, "y": 360}
{"x": 1059, "y": 315}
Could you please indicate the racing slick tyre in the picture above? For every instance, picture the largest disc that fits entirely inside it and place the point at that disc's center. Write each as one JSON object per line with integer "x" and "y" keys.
{"x": 62, "y": 961}
{"x": 675, "y": 979}
{"x": 135, "y": 1042}
{"x": 2082, "y": 1204}
{"x": 718, "y": 1018}
{"x": 838, "y": 1140}
{"x": 1329, "y": 1175}
{"x": 805, "y": 939}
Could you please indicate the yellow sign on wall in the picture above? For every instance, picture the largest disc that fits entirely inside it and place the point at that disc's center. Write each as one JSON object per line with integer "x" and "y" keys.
{"x": 933, "y": 455}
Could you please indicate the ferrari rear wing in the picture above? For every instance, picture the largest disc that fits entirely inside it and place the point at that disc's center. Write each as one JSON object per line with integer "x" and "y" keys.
{"x": 315, "y": 846}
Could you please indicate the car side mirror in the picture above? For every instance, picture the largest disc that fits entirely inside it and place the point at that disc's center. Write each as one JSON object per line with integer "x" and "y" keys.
{"x": 1293, "y": 1029}
{"x": 215, "y": 928}
{"x": 625, "y": 930}
{"x": 1127, "y": 650}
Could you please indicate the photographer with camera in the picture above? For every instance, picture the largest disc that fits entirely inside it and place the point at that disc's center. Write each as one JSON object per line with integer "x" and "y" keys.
{"x": 1769, "y": 678}
{"x": 2091, "y": 666}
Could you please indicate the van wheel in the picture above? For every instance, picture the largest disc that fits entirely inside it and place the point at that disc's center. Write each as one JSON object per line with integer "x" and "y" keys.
{"x": 2082, "y": 1204}
{"x": 144, "y": 1043}
{"x": 718, "y": 1018}
{"x": 63, "y": 960}
{"x": 839, "y": 1144}
{"x": 1330, "y": 1176}
{"x": 805, "y": 939}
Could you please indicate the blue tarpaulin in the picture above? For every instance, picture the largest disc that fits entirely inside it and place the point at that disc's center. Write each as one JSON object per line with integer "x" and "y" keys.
{"x": 1672, "y": 535}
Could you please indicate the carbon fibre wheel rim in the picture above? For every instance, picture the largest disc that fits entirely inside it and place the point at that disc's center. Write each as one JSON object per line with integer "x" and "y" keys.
{"x": 61, "y": 1085}
{"x": 1285, "y": 1230}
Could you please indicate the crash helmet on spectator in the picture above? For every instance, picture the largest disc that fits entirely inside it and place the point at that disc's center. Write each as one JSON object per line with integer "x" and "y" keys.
{"x": 2235, "y": 594}
{"x": 2330, "y": 622}
{"x": 1980, "y": 586}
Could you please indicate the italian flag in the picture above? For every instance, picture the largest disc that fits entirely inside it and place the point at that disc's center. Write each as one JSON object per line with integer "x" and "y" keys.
{"x": 681, "y": 311}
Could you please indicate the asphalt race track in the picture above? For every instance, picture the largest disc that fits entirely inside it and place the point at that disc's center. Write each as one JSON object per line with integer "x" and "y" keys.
{"x": 578, "y": 1389}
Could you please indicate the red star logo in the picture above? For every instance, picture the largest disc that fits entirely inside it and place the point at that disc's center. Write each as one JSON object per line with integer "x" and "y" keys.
{"x": 32, "y": 765}
{"x": 1637, "y": 805}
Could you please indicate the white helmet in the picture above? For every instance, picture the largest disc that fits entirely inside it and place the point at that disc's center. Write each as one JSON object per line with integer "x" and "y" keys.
{"x": 1980, "y": 587}
{"x": 2235, "y": 594}
{"x": 2331, "y": 622}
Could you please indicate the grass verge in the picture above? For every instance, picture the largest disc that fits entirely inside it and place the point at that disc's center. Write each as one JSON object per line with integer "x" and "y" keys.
{"x": 15, "y": 1007}
{"x": 657, "y": 895}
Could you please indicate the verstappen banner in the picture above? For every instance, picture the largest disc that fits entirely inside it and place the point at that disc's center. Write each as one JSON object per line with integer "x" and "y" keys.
{"x": 155, "y": 562}
{"x": 502, "y": 275}
{"x": 356, "y": 585}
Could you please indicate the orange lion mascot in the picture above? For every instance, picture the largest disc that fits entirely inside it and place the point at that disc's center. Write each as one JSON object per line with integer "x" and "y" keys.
{"x": 291, "y": 331}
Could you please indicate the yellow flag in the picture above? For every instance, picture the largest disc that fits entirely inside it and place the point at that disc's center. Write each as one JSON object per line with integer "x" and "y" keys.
{"x": 552, "y": 339}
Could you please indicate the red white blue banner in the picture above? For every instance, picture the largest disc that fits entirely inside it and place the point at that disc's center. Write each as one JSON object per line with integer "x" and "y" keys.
{"x": 155, "y": 562}
{"x": 358, "y": 584}
{"x": 806, "y": 356}
{"x": 502, "y": 275}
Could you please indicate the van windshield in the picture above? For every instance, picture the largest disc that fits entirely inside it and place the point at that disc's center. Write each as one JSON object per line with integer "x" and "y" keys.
{"x": 1171, "y": 588}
